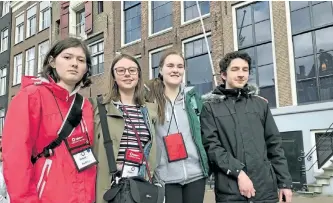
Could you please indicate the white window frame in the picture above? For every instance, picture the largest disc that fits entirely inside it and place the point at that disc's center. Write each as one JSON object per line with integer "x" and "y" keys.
{"x": 122, "y": 27}
{"x": 41, "y": 55}
{"x": 2, "y": 119}
{"x": 235, "y": 37}
{"x": 30, "y": 71}
{"x": 18, "y": 38}
{"x": 150, "y": 21}
{"x": 74, "y": 7}
{"x": 160, "y": 49}
{"x": 98, "y": 53}
{"x": 3, "y": 80}
{"x": 5, "y": 7}
{"x": 4, "y": 40}
{"x": 182, "y": 15}
{"x": 41, "y": 17}
{"x": 29, "y": 18}
{"x": 17, "y": 76}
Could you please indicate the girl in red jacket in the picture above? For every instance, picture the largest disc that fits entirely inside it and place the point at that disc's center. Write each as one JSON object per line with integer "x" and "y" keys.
{"x": 35, "y": 170}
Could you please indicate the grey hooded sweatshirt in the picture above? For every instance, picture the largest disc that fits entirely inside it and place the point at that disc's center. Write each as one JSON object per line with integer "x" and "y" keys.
{"x": 183, "y": 171}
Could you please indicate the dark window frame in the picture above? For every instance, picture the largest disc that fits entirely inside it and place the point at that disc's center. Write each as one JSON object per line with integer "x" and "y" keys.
{"x": 254, "y": 46}
{"x": 126, "y": 8}
{"x": 153, "y": 20}
{"x": 312, "y": 30}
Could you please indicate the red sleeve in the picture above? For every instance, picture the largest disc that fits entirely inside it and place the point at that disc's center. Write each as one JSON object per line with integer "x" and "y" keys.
{"x": 19, "y": 135}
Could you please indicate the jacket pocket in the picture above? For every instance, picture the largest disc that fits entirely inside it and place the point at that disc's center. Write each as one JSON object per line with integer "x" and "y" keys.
{"x": 42, "y": 180}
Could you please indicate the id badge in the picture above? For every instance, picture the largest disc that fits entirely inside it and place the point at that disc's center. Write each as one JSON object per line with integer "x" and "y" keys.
{"x": 84, "y": 159}
{"x": 129, "y": 171}
{"x": 175, "y": 147}
{"x": 133, "y": 156}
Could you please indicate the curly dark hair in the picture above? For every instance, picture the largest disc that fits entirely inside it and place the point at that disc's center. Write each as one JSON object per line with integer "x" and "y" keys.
{"x": 226, "y": 60}
{"x": 56, "y": 49}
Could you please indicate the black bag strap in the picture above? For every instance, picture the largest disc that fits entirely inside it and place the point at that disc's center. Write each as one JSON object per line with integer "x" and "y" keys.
{"x": 108, "y": 145}
{"x": 73, "y": 119}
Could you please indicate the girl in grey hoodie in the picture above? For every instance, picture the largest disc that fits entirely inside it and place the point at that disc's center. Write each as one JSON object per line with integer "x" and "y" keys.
{"x": 178, "y": 113}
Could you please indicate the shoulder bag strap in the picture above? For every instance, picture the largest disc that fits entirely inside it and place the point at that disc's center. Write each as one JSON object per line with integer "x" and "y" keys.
{"x": 73, "y": 118}
{"x": 140, "y": 145}
{"x": 108, "y": 145}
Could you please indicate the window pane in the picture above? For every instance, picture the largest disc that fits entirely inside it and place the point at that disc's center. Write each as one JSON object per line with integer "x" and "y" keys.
{"x": 261, "y": 11}
{"x": 307, "y": 91}
{"x": 325, "y": 63}
{"x": 326, "y": 88}
{"x": 264, "y": 54}
{"x": 204, "y": 7}
{"x": 266, "y": 76}
{"x": 324, "y": 39}
{"x": 199, "y": 73}
{"x": 197, "y": 47}
{"x": 189, "y": 50}
{"x": 322, "y": 14}
{"x": 263, "y": 31}
{"x": 300, "y": 20}
{"x": 294, "y": 5}
{"x": 305, "y": 67}
{"x": 244, "y": 13}
{"x": 303, "y": 45}
{"x": 245, "y": 37}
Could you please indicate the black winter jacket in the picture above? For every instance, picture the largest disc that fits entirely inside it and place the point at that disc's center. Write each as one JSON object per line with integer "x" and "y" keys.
{"x": 239, "y": 133}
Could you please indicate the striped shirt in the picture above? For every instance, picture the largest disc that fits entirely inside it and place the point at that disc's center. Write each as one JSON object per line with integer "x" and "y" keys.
{"x": 128, "y": 140}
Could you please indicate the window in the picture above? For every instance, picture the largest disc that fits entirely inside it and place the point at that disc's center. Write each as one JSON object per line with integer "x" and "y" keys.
{"x": 191, "y": 11}
{"x": 43, "y": 48}
{"x": 254, "y": 37}
{"x": 4, "y": 40}
{"x": 19, "y": 29}
{"x": 2, "y": 120}
{"x": 161, "y": 15}
{"x": 31, "y": 21}
{"x": 30, "y": 61}
{"x": 97, "y": 54}
{"x": 80, "y": 22}
{"x": 5, "y": 7}
{"x": 17, "y": 69}
{"x": 44, "y": 15}
{"x": 100, "y": 7}
{"x": 324, "y": 143}
{"x": 198, "y": 68}
{"x": 312, "y": 31}
{"x": 3, "y": 81}
{"x": 132, "y": 13}
{"x": 155, "y": 60}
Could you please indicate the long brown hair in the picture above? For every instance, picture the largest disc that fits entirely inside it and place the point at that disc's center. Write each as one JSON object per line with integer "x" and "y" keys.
{"x": 113, "y": 94}
{"x": 156, "y": 87}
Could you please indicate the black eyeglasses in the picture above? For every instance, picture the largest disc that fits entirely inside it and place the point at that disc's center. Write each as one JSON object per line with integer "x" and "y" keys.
{"x": 122, "y": 70}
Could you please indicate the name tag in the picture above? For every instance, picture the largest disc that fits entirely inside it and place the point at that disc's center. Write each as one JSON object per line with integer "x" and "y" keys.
{"x": 84, "y": 159}
{"x": 129, "y": 171}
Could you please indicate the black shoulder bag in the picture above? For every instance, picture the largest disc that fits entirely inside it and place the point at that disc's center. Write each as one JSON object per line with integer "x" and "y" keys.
{"x": 72, "y": 120}
{"x": 127, "y": 190}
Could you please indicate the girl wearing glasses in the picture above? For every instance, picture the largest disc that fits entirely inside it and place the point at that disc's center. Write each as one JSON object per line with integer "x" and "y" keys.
{"x": 128, "y": 117}
{"x": 178, "y": 129}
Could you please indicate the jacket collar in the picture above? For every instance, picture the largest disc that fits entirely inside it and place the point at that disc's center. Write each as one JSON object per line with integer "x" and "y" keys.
{"x": 220, "y": 93}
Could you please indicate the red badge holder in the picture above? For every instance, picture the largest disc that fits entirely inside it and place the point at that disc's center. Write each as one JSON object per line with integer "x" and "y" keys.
{"x": 174, "y": 143}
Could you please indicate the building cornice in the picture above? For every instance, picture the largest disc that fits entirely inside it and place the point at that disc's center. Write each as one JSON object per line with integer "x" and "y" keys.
{"x": 15, "y": 5}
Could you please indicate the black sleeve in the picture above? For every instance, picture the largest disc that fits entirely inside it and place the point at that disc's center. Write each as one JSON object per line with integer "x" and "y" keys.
{"x": 275, "y": 151}
{"x": 217, "y": 155}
